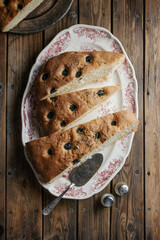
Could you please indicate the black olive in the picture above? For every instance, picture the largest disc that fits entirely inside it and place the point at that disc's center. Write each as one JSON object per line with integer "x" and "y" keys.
{"x": 113, "y": 123}
{"x": 78, "y": 74}
{"x": 73, "y": 107}
{"x": 100, "y": 93}
{"x": 68, "y": 146}
{"x": 44, "y": 76}
{"x": 63, "y": 124}
{"x": 52, "y": 90}
{"x": 49, "y": 151}
{"x": 65, "y": 72}
{"x": 6, "y": 2}
{"x": 79, "y": 130}
{"x": 19, "y": 6}
{"x": 75, "y": 161}
{"x": 89, "y": 59}
{"x": 53, "y": 99}
{"x": 98, "y": 135}
{"x": 50, "y": 115}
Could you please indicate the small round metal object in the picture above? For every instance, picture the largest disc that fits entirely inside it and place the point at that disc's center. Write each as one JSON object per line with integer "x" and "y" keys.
{"x": 107, "y": 200}
{"x": 121, "y": 188}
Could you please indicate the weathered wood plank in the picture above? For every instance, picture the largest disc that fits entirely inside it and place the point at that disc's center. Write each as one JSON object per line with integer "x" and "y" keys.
{"x": 24, "y": 202}
{"x": 3, "y": 54}
{"x": 152, "y": 119}
{"x": 128, "y": 212}
{"x": 62, "y": 222}
{"x": 93, "y": 219}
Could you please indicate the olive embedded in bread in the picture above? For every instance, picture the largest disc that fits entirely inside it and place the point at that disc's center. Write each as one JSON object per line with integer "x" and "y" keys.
{"x": 69, "y": 107}
{"x": 69, "y": 145}
{"x": 72, "y": 70}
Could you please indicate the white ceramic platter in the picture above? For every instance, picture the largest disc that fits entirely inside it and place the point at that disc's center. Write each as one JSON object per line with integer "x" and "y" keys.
{"x": 87, "y": 38}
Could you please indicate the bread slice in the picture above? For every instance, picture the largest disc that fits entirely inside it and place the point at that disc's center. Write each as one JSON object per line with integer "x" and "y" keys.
{"x": 52, "y": 155}
{"x": 72, "y": 70}
{"x": 56, "y": 113}
{"x": 13, "y": 11}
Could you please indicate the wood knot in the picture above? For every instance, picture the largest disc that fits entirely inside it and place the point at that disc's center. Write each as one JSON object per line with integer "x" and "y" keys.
{"x": 149, "y": 21}
{"x": 137, "y": 172}
{"x": 73, "y": 14}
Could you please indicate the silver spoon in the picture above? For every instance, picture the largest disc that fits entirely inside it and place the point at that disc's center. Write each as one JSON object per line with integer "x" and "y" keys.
{"x": 79, "y": 177}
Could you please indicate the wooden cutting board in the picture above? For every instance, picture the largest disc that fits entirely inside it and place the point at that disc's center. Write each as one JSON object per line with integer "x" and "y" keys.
{"x": 44, "y": 16}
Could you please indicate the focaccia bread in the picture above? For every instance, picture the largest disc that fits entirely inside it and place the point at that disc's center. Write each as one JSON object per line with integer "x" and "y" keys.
{"x": 52, "y": 155}
{"x": 13, "y": 11}
{"x": 72, "y": 70}
{"x": 56, "y": 113}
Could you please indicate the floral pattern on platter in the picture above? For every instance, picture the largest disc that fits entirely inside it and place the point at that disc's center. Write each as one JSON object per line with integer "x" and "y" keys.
{"x": 87, "y": 49}
{"x": 72, "y": 192}
{"x": 56, "y": 47}
{"x": 116, "y": 47}
{"x": 123, "y": 143}
{"x": 100, "y": 178}
{"x": 107, "y": 108}
{"x": 126, "y": 69}
{"x": 129, "y": 97}
{"x": 92, "y": 34}
{"x": 86, "y": 39}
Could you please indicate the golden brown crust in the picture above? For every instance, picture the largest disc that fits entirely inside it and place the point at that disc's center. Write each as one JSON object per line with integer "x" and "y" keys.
{"x": 94, "y": 134}
{"x": 74, "y": 64}
{"x": 68, "y": 107}
{"x": 9, "y": 9}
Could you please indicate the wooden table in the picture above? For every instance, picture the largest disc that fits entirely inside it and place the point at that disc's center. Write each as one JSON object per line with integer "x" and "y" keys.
{"x": 136, "y": 215}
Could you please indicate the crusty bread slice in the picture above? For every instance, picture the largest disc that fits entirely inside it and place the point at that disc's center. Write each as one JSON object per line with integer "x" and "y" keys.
{"x": 12, "y": 12}
{"x": 52, "y": 155}
{"x": 56, "y": 113}
{"x": 72, "y": 70}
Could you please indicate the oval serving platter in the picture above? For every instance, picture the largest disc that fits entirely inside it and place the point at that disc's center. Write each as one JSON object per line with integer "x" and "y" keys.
{"x": 87, "y": 38}
{"x": 44, "y": 16}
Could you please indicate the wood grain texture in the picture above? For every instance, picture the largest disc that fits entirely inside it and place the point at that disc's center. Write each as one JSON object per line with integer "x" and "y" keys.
{"x": 128, "y": 212}
{"x": 3, "y": 58}
{"x": 152, "y": 119}
{"x": 62, "y": 222}
{"x": 93, "y": 219}
{"x": 24, "y": 202}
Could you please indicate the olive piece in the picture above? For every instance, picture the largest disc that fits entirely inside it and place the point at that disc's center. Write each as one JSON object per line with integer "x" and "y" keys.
{"x": 19, "y": 6}
{"x": 65, "y": 72}
{"x": 52, "y": 90}
{"x": 79, "y": 130}
{"x": 6, "y": 2}
{"x": 75, "y": 161}
{"x": 63, "y": 124}
{"x": 73, "y": 107}
{"x": 53, "y": 99}
{"x": 100, "y": 93}
{"x": 44, "y": 76}
{"x": 113, "y": 123}
{"x": 50, "y": 115}
{"x": 98, "y": 135}
{"x": 89, "y": 59}
{"x": 49, "y": 151}
{"x": 68, "y": 146}
{"x": 78, "y": 74}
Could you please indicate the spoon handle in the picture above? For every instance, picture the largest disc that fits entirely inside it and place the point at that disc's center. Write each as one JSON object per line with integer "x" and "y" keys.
{"x": 54, "y": 203}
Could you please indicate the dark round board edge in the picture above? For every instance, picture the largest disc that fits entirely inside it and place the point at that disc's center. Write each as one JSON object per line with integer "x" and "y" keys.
{"x": 39, "y": 24}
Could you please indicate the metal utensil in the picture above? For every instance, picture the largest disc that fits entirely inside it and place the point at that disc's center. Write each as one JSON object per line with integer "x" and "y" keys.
{"x": 79, "y": 177}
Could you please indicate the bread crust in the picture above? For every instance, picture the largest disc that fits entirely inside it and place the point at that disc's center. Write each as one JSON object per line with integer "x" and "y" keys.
{"x": 68, "y": 107}
{"x": 94, "y": 134}
{"x": 10, "y": 12}
{"x": 73, "y": 63}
